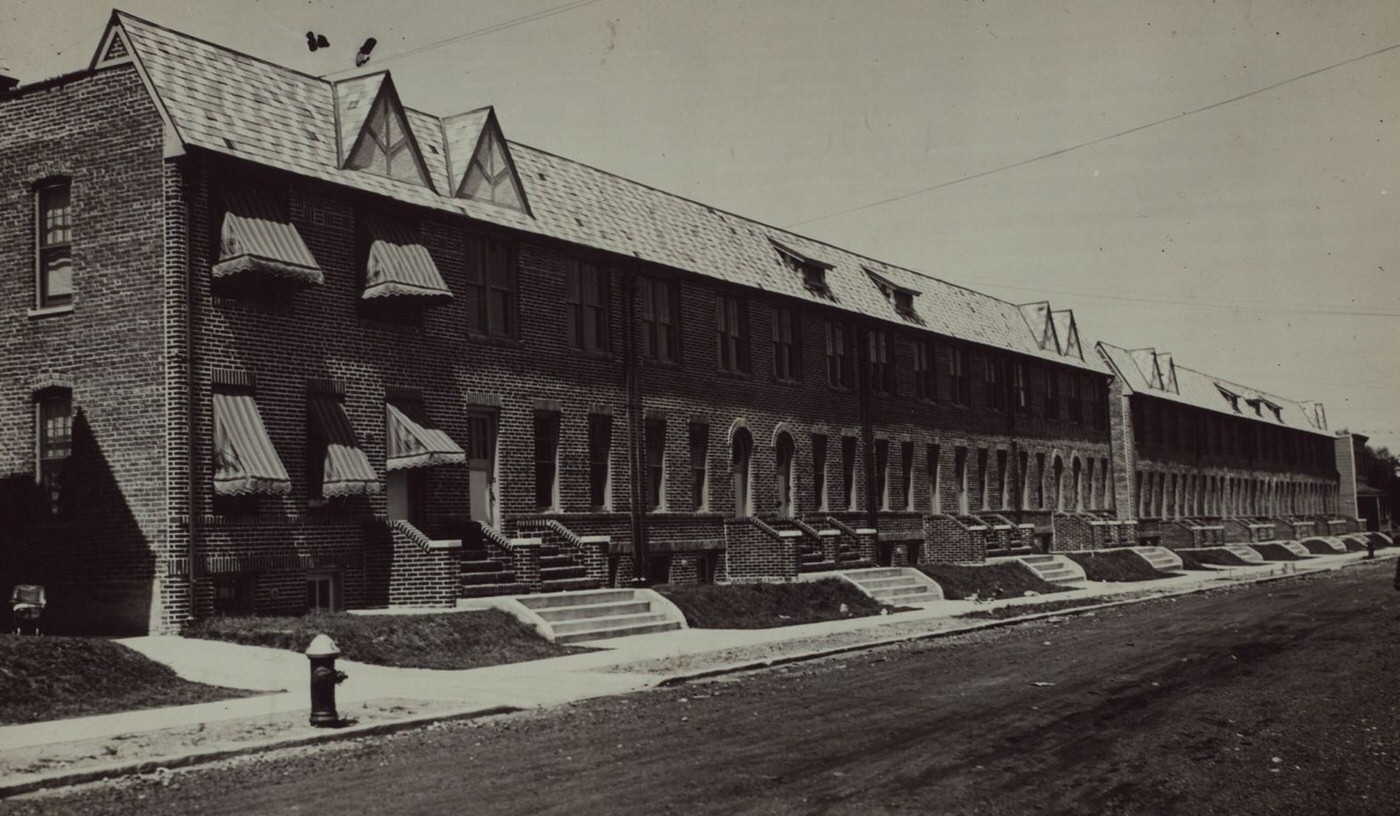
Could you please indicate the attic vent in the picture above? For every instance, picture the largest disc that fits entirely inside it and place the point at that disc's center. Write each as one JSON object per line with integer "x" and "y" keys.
{"x": 813, "y": 271}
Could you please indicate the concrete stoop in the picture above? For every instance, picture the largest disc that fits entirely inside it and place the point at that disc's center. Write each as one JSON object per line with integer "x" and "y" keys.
{"x": 896, "y": 586}
{"x": 1160, "y": 558}
{"x": 1333, "y": 543}
{"x": 1244, "y": 552}
{"x": 573, "y": 617}
{"x": 1296, "y": 548}
{"x": 1054, "y": 569}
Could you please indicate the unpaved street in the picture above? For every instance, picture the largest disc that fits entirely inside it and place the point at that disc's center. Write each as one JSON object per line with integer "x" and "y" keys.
{"x": 1277, "y": 698}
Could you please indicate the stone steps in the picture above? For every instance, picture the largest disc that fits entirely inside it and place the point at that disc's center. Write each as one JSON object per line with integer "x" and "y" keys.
{"x": 1245, "y": 553}
{"x": 1054, "y": 569}
{"x": 1160, "y": 558}
{"x": 576, "y": 616}
{"x": 896, "y": 586}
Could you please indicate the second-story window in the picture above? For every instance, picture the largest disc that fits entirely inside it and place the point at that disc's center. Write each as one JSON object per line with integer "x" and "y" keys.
{"x": 881, "y": 362}
{"x": 925, "y": 370}
{"x": 960, "y": 384}
{"x": 1076, "y": 405}
{"x": 661, "y": 317}
{"x": 490, "y": 293}
{"x": 1018, "y": 387}
{"x": 838, "y": 355}
{"x": 787, "y": 345}
{"x": 655, "y": 441}
{"x": 1052, "y": 392}
{"x": 992, "y": 382}
{"x": 732, "y": 332}
{"x": 586, "y": 305}
{"x": 55, "y": 284}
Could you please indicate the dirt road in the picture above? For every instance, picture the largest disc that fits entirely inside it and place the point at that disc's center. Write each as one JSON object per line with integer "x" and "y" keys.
{"x": 1277, "y": 698}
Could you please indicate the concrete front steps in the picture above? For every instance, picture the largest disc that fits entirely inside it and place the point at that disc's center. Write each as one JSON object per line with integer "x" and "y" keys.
{"x": 1244, "y": 552}
{"x": 1161, "y": 558}
{"x": 896, "y": 586}
{"x": 1054, "y": 569}
{"x": 573, "y": 617}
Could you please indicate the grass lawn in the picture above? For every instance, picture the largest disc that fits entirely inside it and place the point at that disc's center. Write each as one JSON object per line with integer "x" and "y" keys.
{"x": 1116, "y": 566}
{"x": 1277, "y": 552}
{"x": 988, "y": 582}
{"x": 55, "y": 678}
{"x": 451, "y": 640}
{"x": 1214, "y": 556}
{"x": 763, "y": 606}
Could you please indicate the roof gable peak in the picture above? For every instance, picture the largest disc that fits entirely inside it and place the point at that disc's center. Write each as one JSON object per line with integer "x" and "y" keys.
{"x": 384, "y": 143}
{"x": 487, "y": 170}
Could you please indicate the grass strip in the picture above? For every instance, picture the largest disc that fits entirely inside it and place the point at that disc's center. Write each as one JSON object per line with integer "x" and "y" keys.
{"x": 1008, "y": 579}
{"x": 1119, "y": 566}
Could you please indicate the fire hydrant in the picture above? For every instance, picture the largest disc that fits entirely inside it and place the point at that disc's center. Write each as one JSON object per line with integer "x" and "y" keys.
{"x": 324, "y": 678}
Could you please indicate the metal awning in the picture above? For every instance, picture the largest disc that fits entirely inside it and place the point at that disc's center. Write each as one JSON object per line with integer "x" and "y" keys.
{"x": 411, "y": 441}
{"x": 398, "y": 265}
{"x": 245, "y": 462}
{"x": 256, "y": 237}
{"x": 345, "y": 470}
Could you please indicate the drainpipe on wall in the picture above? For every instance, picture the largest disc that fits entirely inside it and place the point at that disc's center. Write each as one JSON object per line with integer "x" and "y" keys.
{"x": 632, "y": 387}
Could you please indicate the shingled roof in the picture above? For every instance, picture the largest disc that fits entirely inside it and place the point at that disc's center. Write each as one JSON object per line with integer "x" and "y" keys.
{"x": 1153, "y": 373}
{"x": 225, "y": 102}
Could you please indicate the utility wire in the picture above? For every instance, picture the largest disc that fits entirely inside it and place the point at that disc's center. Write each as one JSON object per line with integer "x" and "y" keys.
{"x": 1297, "y": 309}
{"x": 1100, "y": 140}
{"x": 480, "y": 32}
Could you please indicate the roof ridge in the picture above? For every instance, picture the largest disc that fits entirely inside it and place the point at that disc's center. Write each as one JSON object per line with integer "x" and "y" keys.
{"x": 224, "y": 48}
{"x": 756, "y": 222}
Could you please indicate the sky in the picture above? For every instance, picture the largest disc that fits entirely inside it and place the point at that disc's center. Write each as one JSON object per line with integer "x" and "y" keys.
{"x": 1220, "y": 180}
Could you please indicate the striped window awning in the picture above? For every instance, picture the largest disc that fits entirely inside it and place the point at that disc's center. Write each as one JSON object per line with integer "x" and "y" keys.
{"x": 411, "y": 441}
{"x": 257, "y": 237}
{"x": 245, "y": 462}
{"x": 398, "y": 265}
{"x": 345, "y": 469}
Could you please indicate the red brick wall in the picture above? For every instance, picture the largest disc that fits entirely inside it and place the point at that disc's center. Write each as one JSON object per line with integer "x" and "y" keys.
{"x": 102, "y": 132}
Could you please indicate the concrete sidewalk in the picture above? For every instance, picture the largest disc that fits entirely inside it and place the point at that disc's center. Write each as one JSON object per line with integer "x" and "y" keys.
{"x": 617, "y": 666}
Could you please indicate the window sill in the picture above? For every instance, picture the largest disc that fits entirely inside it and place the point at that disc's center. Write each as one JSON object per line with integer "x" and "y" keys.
{"x": 593, "y": 354}
{"x": 50, "y": 311}
{"x": 494, "y": 340}
{"x": 655, "y": 363}
{"x": 733, "y": 375}
{"x": 788, "y": 382}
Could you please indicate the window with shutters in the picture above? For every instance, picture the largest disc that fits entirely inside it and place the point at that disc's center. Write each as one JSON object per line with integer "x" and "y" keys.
{"x": 586, "y": 290}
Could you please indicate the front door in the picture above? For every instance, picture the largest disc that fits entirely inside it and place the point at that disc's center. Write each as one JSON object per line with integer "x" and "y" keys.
{"x": 405, "y": 493}
{"x": 481, "y": 431}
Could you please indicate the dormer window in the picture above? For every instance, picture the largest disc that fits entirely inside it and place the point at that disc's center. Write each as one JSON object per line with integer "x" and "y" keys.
{"x": 1230, "y": 397}
{"x": 813, "y": 272}
{"x": 900, "y": 297}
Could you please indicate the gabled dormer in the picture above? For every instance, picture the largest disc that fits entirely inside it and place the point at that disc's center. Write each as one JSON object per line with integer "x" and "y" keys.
{"x": 1167, "y": 367}
{"x": 1037, "y": 317}
{"x": 813, "y": 271}
{"x": 1230, "y": 397}
{"x": 374, "y": 133}
{"x": 900, "y": 297}
{"x": 481, "y": 165}
{"x": 1067, "y": 333}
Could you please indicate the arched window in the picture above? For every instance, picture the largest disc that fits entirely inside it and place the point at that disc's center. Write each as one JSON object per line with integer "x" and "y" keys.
{"x": 784, "y": 452}
{"x": 741, "y": 462}
{"x": 1058, "y": 471}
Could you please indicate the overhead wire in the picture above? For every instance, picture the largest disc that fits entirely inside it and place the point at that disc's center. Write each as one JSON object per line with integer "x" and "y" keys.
{"x": 1090, "y": 143}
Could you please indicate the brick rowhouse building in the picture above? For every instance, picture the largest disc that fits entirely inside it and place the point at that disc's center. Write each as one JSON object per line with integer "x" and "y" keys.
{"x": 288, "y": 344}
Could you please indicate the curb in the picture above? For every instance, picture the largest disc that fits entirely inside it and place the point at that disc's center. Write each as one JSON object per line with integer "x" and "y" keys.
{"x": 757, "y": 665}
{"x": 58, "y": 779}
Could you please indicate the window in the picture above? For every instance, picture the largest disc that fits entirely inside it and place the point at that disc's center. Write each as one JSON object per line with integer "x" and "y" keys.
{"x": 882, "y": 373}
{"x": 732, "y": 332}
{"x": 1001, "y": 502}
{"x": 848, "y": 471}
{"x": 982, "y": 478}
{"x": 784, "y": 454}
{"x": 925, "y": 370}
{"x": 740, "y": 470}
{"x": 1052, "y": 393}
{"x": 787, "y": 345}
{"x": 906, "y": 469}
{"x": 323, "y": 592}
{"x": 959, "y": 382}
{"x": 838, "y": 355}
{"x": 960, "y": 477}
{"x": 600, "y": 461}
{"x": 699, "y": 458}
{"x": 813, "y": 272}
{"x": 233, "y": 594}
{"x": 490, "y": 292}
{"x": 932, "y": 465}
{"x": 546, "y": 460}
{"x": 1098, "y": 413}
{"x": 655, "y": 432}
{"x": 1018, "y": 387}
{"x": 55, "y": 245}
{"x": 661, "y": 315}
{"x": 1023, "y": 473}
{"x": 55, "y": 432}
{"x": 903, "y": 301}
{"x": 882, "y": 474}
{"x": 991, "y": 376}
{"x": 819, "y": 471}
{"x": 1076, "y": 404}
{"x": 586, "y": 290}
{"x": 1040, "y": 480}
{"x": 385, "y": 146}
